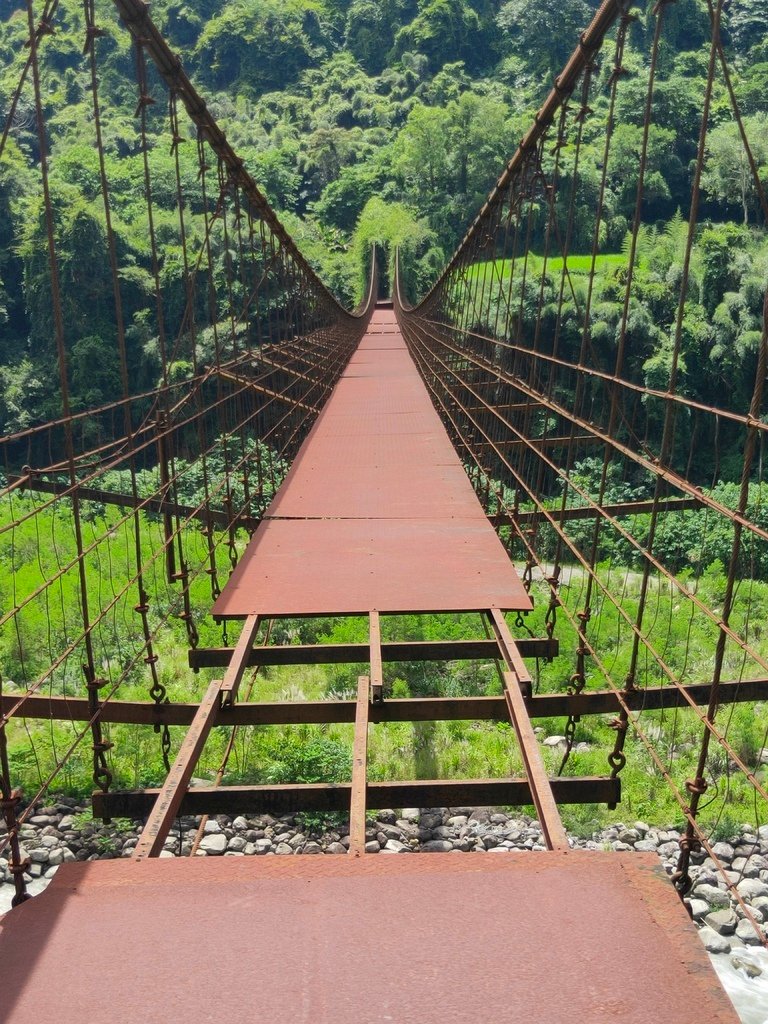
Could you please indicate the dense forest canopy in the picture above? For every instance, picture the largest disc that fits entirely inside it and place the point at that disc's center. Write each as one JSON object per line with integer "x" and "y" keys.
{"x": 372, "y": 121}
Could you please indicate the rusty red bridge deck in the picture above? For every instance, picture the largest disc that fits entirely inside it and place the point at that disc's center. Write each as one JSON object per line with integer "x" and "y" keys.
{"x": 376, "y": 511}
{"x": 576, "y": 938}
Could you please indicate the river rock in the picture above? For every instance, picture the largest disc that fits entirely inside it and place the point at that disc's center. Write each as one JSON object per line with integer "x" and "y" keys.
{"x": 715, "y": 897}
{"x": 713, "y": 942}
{"x": 480, "y": 815}
{"x": 629, "y": 835}
{"x": 748, "y": 888}
{"x": 745, "y": 931}
{"x": 723, "y": 852}
{"x": 645, "y": 846}
{"x": 743, "y": 961}
{"x": 214, "y": 845}
{"x": 699, "y": 909}
{"x": 722, "y": 921}
{"x": 390, "y": 832}
{"x": 395, "y": 846}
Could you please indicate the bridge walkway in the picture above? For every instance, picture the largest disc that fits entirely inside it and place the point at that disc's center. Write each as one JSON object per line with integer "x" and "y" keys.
{"x": 376, "y": 512}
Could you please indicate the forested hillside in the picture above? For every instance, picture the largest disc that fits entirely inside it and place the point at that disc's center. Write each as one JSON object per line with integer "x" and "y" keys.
{"x": 365, "y": 121}
{"x": 382, "y": 121}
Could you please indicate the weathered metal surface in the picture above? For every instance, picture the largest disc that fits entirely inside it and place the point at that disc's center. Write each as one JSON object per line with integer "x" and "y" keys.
{"x": 166, "y": 802}
{"x": 322, "y": 566}
{"x": 221, "y": 691}
{"x": 413, "y": 709}
{"x": 516, "y": 680}
{"x": 376, "y": 660}
{"x": 336, "y": 796}
{"x": 337, "y": 654}
{"x": 376, "y": 511}
{"x": 598, "y": 938}
{"x": 359, "y": 769}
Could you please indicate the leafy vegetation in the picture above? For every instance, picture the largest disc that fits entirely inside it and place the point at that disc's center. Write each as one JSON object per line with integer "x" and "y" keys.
{"x": 397, "y": 750}
{"x": 361, "y": 121}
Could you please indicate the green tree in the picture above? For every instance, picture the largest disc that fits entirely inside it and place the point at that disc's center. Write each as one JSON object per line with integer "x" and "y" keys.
{"x": 370, "y": 31}
{"x": 257, "y": 45}
{"x": 94, "y": 370}
{"x": 543, "y": 33}
{"x": 393, "y": 227}
{"x": 443, "y": 30}
{"x": 727, "y": 174}
{"x": 422, "y": 151}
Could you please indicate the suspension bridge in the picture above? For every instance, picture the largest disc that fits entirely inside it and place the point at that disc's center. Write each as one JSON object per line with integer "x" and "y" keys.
{"x": 313, "y": 463}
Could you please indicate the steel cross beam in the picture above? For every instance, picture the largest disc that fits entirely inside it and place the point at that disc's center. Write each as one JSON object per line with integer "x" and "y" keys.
{"x": 264, "y": 390}
{"x": 336, "y": 796}
{"x": 352, "y": 654}
{"x": 160, "y": 505}
{"x": 624, "y": 508}
{"x": 377, "y": 671}
{"x": 369, "y": 690}
{"x": 410, "y": 709}
{"x": 169, "y": 800}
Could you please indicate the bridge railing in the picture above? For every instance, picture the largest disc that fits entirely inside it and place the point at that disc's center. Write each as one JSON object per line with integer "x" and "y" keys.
{"x": 190, "y": 345}
{"x": 596, "y": 432}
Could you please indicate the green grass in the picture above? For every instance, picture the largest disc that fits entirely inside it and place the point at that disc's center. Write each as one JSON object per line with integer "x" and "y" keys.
{"x": 397, "y": 750}
{"x": 579, "y": 264}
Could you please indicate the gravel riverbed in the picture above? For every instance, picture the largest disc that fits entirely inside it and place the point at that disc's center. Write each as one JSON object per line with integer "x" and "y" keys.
{"x": 64, "y": 831}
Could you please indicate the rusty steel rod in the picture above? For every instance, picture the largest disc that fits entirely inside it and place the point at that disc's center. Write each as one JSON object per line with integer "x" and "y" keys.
{"x": 377, "y": 669}
{"x": 169, "y": 799}
{"x": 359, "y": 769}
{"x": 165, "y": 806}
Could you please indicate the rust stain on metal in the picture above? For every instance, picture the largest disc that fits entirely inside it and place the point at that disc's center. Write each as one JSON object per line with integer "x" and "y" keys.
{"x": 598, "y": 938}
{"x": 376, "y": 511}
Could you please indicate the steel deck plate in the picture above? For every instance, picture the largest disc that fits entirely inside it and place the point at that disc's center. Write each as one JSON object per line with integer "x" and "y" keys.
{"x": 376, "y": 511}
{"x": 585, "y": 937}
{"x": 352, "y": 566}
{"x": 383, "y": 490}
